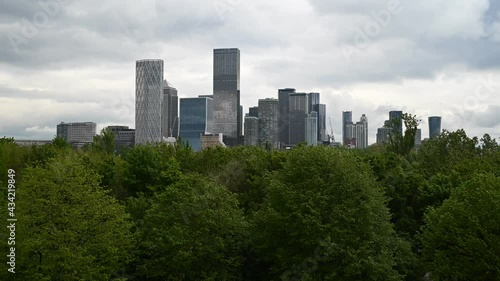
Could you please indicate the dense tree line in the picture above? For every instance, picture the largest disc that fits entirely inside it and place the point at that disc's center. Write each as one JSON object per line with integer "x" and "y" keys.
{"x": 161, "y": 212}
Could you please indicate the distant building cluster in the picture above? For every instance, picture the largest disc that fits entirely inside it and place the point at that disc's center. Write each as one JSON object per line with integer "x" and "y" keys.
{"x": 217, "y": 119}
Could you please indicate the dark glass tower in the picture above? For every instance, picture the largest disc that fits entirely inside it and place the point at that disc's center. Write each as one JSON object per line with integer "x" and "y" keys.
{"x": 321, "y": 110}
{"x": 196, "y": 119}
{"x": 283, "y": 118}
{"x": 346, "y": 120}
{"x": 170, "y": 117}
{"x": 396, "y": 118}
{"x": 434, "y": 126}
{"x": 298, "y": 110}
{"x": 227, "y": 111}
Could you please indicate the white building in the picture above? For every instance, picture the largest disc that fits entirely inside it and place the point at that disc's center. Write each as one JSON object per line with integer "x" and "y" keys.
{"x": 148, "y": 101}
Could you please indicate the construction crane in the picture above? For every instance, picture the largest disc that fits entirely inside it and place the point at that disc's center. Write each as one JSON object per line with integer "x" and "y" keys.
{"x": 331, "y": 137}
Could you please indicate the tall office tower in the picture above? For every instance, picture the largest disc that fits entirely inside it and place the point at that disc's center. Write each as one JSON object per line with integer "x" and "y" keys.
{"x": 312, "y": 128}
{"x": 254, "y": 111}
{"x": 396, "y": 119}
{"x": 170, "y": 123}
{"x": 77, "y": 134}
{"x": 313, "y": 100}
{"x": 268, "y": 122}
{"x": 284, "y": 104}
{"x": 346, "y": 119}
{"x": 434, "y": 126}
{"x": 124, "y": 137}
{"x": 418, "y": 138}
{"x": 298, "y": 109}
{"x": 227, "y": 111}
{"x": 321, "y": 110}
{"x": 251, "y": 130}
{"x": 383, "y": 135}
{"x": 196, "y": 115}
{"x": 148, "y": 101}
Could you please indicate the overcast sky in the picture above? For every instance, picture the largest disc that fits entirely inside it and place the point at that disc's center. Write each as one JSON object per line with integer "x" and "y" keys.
{"x": 74, "y": 60}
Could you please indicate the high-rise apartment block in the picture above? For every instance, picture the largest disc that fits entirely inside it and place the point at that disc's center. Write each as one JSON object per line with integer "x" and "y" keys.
{"x": 268, "y": 122}
{"x": 196, "y": 119}
{"x": 227, "y": 108}
{"x": 148, "y": 101}
{"x": 357, "y": 134}
{"x": 77, "y": 134}
{"x": 251, "y": 130}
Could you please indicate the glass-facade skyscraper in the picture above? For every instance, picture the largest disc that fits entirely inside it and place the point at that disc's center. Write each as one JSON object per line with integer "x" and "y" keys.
{"x": 283, "y": 118}
{"x": 170, "y": 123}
{"x": 148, "y": 101}
{"x": 346, "y": 120}
{"x": 396, "y": 119}
{"x": 298, "y": 109}
{"x": 434, "y": 126}
{"x": 321, "y": 110}
{"x": 227, "y": 111}
{"x": 196, "y": 118}
{"x": 312, "y": 128}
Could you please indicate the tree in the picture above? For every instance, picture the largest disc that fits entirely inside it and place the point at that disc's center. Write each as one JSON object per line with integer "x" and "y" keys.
{"x": 194, "y": 230}
{"x": 461, "y": 238}
{"x": 71, "y": 229}
{"x": 104, "y": 142}
{"x": 403, "y": 144}
{"x": 324, "y": 218}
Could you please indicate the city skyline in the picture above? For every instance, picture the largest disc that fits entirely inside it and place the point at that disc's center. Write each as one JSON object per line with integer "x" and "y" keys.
{"x": 450, "y": 70}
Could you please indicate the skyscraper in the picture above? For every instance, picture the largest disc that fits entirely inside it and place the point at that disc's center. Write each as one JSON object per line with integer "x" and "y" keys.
{"x": 254, "y": 111}
{"x": 418, "y": 138}
{"x": 346, "y": 119}
{"x": 321, "y": 110}
{"x": 298, "y": 109}
{"x": 268, "y": 122}
{"x": 396, "y": 119}
{"x": 362, "y": 132}
{"x": 251, "y": 130}
{"x": 313, "y": 100}
{"x": 312, "y": 128}
{"x": 283, "y": 118}
{"x": 434, "y": 126}
{"x": 170, "y": 123}
{"x": 148, "y": 101}
{"x": 196, "y": 118}
{"x": 227, "y": 111}
{"x": 357, "y": 133}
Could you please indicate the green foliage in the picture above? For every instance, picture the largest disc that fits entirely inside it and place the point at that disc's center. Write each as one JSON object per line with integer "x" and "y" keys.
{"x": 194, "y": 230}
{"x": 403, "y": 144}
{"x": 461, "y": 238}
{"x": 69, "y": 228}
{"x": 324, "y": 194}
{"x": 104, "y": 142}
